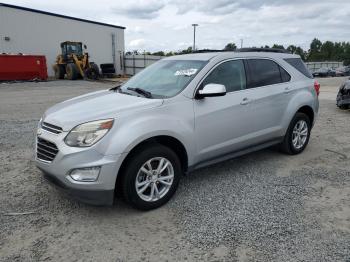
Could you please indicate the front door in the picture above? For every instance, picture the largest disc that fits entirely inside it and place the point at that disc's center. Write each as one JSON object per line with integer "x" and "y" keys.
{"x": 223, "y": 123}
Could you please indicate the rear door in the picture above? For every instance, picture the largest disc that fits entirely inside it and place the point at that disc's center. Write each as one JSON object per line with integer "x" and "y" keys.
{"x": 270, "y": 90}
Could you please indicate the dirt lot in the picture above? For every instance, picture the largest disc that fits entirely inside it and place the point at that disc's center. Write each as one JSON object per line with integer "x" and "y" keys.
{"x": 265, "y": 206}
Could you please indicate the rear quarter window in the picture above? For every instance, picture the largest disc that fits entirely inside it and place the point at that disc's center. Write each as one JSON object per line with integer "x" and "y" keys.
{"x": 299, "y": 65}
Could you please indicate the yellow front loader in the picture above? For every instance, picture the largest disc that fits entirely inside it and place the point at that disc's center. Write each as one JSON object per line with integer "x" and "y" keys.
{"x": 74, "y": 63}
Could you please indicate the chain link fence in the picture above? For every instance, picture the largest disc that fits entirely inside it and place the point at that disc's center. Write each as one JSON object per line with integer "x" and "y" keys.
{"x": 313, "y": 66}
{"x": 135, "y": 63}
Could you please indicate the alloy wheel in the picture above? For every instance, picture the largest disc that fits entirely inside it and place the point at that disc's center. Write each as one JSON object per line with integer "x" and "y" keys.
{"x": 300, "y": 134}
{"x": 154, "y": 179}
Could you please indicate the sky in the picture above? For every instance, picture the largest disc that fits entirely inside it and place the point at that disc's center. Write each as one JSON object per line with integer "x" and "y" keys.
{"x": 154, "y": 25}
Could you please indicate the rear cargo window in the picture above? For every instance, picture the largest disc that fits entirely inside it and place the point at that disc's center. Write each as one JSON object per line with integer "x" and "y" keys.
{"x": 299, "y": 65}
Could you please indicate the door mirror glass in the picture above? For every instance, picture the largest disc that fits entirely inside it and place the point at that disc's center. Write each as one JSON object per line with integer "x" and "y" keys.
{"x": 211, "y": 90}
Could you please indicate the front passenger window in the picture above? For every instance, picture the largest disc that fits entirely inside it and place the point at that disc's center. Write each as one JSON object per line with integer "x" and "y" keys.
{"x": 231, "y": 74}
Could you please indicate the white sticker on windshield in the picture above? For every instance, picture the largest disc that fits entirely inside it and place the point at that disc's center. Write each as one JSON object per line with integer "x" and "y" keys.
{"x": 186, "y": 72}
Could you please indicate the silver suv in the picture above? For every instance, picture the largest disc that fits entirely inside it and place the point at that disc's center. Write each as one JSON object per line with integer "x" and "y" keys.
{"x": 180, "y": 114}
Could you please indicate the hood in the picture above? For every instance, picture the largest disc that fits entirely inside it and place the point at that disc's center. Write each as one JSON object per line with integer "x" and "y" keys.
{"x": 95, "y": 106}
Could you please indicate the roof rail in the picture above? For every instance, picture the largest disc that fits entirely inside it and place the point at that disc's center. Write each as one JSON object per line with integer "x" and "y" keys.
{"x": 210, "y": 51}
{"x": 248, "y": 49}
{"x": 255, "y": 49}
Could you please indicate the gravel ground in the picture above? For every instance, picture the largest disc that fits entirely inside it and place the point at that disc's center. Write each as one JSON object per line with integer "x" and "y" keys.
{"x": 265, "y": 206}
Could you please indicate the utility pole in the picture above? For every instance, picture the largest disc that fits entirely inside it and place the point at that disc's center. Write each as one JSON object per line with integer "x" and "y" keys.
{"x": 241, "y": 43}
{"x": 194, "y": 37}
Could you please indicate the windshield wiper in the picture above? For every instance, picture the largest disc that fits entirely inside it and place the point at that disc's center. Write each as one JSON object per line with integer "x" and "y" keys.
{"x": 115, "y": 88}
{"x": 118, "y": 89}
{"x": 141, "y": 91}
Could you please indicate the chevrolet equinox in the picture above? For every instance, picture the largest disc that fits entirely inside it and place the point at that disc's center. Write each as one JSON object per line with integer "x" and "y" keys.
{"x": 179, "y": 114}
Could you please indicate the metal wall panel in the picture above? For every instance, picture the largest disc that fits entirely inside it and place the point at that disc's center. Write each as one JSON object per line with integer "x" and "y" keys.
{"x": 41, "y": 34}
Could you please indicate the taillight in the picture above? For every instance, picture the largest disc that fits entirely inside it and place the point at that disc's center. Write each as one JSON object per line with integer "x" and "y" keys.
{"x": 317, "y": 87}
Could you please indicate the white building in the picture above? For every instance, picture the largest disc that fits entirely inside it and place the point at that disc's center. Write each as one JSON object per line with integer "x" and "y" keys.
{"x": 29, "y": 31}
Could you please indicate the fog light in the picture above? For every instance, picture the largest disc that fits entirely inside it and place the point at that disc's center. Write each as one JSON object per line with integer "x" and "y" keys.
{"x": 88, "y": 174}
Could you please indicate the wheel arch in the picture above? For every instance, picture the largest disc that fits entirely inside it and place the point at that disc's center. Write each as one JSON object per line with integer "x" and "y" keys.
{"x": 169, "y": 141}
{"x": 303, "y": 101}
{"x": 307, "y": 110}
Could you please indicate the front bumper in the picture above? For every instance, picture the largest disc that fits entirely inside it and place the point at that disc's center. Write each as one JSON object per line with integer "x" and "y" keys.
{"x": 99, "y": 192}
{"x": 92, "y": 197}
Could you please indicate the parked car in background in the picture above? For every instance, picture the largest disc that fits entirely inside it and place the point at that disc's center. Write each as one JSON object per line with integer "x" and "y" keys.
{"x": 343, "y": 71}
{"x": 324, "y": 72}
{"x": 178, "y": 115}
{"x": 343, "y": 97}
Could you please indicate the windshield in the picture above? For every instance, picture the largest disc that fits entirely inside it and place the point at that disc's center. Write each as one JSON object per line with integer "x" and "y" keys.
{"x": 166, "y": 78}
{"x": 72, "y": 48}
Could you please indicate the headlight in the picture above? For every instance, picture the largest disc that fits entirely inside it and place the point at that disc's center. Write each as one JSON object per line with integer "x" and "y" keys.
{"x": 87, "y": 134}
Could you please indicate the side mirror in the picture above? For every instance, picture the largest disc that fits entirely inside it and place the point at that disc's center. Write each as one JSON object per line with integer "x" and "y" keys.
{"x": 211, "y": 90}
{"x": 85, "y": 47}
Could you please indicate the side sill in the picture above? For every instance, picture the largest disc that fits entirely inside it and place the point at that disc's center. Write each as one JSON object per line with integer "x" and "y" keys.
{"x": 233, "y": 154}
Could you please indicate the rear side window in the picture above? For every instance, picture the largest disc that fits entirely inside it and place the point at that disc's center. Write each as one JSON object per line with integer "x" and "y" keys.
{"x": 299, "y": 65}
{"x": 231, "y": 74}
{"x": 265, "y": 72}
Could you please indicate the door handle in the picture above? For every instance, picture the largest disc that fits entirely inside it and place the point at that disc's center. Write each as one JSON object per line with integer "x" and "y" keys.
{"x": 287, "y": 90}
{"x": 245, "y": 101}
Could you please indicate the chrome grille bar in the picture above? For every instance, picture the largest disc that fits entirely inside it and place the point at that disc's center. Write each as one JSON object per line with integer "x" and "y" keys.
{"x": 46, "y": 150}
{"x": 51, "y": 128}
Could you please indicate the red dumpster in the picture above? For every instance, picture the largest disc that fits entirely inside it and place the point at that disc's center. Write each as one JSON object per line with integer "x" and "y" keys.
{"x": 22, "y": 67}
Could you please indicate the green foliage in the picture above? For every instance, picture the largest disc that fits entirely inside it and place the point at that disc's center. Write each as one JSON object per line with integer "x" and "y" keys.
{"x": 298, "y": 51}
{"x": 329, "y": 51}
{"x": 278, "y": 46}
{"x": 230, "y": 47}
{"x": 160, "y": 53}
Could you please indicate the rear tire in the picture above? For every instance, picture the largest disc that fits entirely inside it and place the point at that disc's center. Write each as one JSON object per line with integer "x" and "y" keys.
{"x": 59, "y": 71}
{"x": 140, "y": 173}
{"x": 72, "y": 71}
{"x": 298, "y": 135}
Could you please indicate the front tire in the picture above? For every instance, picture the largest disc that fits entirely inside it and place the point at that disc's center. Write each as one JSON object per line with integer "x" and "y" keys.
{"x": 72, "y": 71}
{"x": 298, "y": 134}
{"x": 151, "y": 177}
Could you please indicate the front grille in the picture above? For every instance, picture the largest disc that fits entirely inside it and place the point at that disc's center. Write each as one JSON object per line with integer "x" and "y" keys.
{"x": 46, "y": 150}
{"x": 51, "y": 128}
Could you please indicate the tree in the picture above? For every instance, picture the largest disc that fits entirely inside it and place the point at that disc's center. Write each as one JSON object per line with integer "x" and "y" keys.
{"x": 315, "y": 50}
{"x": 315, "y": 45}
{"x": 297, "y": 50}
{"x": 292, "y": 49}
{"x": 278, "y": 46}
{"x": 346, "y": 53}
{"x": 327, "y": 50}
{"x": 160, "y": 53}
{"x": 185, "y": 51}
{"x": 301, "y": 52}
{"x": 230, "y": 47}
